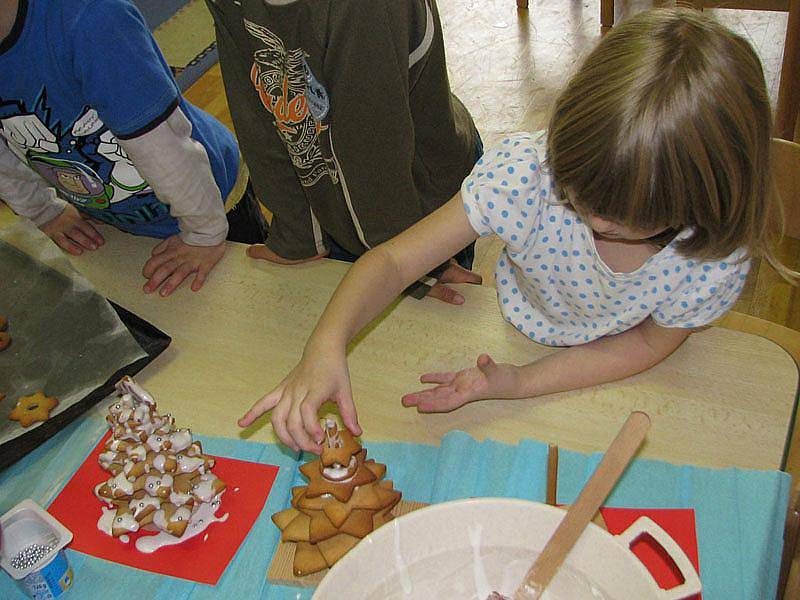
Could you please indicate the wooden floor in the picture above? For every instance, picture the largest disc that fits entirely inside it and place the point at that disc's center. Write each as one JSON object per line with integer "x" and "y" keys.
{"x": 507, "y": 67}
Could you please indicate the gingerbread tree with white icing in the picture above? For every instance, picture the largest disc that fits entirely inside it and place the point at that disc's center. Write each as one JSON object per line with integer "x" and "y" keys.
{"x": 160, "y": 478}
{"x": 346, "y": 498}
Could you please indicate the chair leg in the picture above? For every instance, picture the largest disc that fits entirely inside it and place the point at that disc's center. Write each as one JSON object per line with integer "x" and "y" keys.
{"x": 606, "y": 14}
{"x": 789, "y": 88}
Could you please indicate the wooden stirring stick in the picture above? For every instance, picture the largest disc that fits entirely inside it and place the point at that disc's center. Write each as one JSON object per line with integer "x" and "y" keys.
{"x": 603, "y": 480}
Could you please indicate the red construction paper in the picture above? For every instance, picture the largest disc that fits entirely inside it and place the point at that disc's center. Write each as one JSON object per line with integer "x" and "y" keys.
{"x": 677, "y": 522}
{"x": 204, "y": 561}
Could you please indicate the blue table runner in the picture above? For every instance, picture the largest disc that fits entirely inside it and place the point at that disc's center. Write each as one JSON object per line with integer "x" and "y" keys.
{"x": 739, "y": 513}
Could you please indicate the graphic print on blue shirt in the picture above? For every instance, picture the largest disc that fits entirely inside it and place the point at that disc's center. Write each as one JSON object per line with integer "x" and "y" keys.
{"x": 84, "y": 162}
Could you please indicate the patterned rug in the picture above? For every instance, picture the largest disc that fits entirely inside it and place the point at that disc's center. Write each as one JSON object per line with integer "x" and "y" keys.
{"x": 184, "y": 30}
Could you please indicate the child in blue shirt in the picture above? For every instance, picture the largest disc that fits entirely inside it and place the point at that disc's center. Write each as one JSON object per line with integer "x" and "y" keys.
{"x": 627, "y": 226}
{"x": 94, "y": 128}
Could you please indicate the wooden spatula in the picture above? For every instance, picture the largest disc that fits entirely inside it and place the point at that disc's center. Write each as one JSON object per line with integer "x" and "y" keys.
{"x": 603, "y": 480}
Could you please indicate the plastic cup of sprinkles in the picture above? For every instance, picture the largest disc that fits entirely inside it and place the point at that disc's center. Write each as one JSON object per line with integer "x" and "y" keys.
{"x": 32, "y": 551}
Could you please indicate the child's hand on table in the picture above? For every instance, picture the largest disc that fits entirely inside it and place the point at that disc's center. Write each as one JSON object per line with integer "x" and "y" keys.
{"x": 454, "y": 273}
{"x": 72, "y": 232}
{"x": 264, "y": 252}
{"x": 487, "y": 379}
{"x": 173, "y": 260}
{"x": 317, "y": 378}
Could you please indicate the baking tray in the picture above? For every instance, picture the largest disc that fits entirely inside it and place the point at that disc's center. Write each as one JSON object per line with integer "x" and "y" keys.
{"x": 152, "y": 340}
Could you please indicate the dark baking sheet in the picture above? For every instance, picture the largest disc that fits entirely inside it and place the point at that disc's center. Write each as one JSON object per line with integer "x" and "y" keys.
{"x": 152, "y": 340}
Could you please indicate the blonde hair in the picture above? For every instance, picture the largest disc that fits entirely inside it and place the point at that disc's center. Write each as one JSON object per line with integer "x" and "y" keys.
{"x": 667, "y": 125}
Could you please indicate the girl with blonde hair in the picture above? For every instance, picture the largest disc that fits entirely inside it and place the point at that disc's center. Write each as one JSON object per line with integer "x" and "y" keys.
{"x": 627, "y": 226}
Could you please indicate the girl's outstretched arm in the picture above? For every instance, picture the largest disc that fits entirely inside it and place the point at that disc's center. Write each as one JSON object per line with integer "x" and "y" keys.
{"x": 601, "y": 361}
{"x": 372, "y": 283}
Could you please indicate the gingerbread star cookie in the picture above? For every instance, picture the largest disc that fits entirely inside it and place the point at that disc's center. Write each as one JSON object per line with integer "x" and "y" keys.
{"x": 33, "y": 409}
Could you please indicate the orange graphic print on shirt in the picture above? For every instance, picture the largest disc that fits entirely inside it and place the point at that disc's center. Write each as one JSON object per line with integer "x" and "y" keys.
{"x": 279, "y": 78}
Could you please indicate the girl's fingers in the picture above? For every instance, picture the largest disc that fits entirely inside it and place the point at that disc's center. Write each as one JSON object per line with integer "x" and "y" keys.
{"x": 310, "y": 417}
{"x": 296, "y": 427}
{"x": 266, "y": 403}
{"x": 444, "y": 377}
{"x": 278, "y": 419}
{"x": 347, "y": 410}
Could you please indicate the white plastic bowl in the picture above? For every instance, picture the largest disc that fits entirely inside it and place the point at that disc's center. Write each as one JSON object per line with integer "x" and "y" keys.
{"x": 468, "y": 548}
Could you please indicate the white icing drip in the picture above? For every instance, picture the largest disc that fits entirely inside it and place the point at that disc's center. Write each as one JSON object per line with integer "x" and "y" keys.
{"x": 139, "y": 505}
{"x": 141, "y": 414}
{"x": 189, "y": 464}
{"x": 106, "y": 458}
{"x": 154, "y": 482}
{"x": 106, "y": 520}
{"x": 125, "y": 521}
{"x": 236, "y": 489}
{"x": 156, "y": 442}
{"x": 159, "y": 461}
{"x": 180, "y": 440}
{"x": 340, "y": 473}
{"x": 183, "y": 513}
{"x": 205, "y": 538}
{"x": 203, "y": 490}
{"x": 124, "y": 415}
{"x": 126, "y": 384}
{"x": 136, "y": 453}
{"x": 159, "y": 520}
{"x": 199, "y": 521}
{"x": 124, "y": 538}
{"x": 120, "y": 486}
{"x": 178, "y": 498}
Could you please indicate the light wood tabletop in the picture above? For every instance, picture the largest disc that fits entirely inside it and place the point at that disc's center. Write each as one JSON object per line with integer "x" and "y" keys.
{"x": 724, "y": 398}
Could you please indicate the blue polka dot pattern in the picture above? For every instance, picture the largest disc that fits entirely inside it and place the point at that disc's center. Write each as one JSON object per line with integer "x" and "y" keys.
{"x": 549, "y": 276}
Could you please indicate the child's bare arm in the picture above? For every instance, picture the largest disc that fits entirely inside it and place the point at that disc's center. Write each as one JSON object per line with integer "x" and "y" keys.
{"x": 373, "y": 282}
{"x": 601, "y": 361}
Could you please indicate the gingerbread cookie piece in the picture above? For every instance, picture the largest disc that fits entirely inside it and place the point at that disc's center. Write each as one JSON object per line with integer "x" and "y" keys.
{"x": 346, "y": 498}
{"x": 33, "y": 409}
{"x": 3, "y": 322}
{"x": 5, "y": 340}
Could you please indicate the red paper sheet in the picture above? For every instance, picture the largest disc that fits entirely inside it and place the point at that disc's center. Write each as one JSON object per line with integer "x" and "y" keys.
{"x": 677, "y": 522}
{"x": 248, "y": 486}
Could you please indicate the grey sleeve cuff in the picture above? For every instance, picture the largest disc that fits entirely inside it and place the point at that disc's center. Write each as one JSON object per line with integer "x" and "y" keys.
{"x": 178, "y": 169}
{"x": 27, "y": 194}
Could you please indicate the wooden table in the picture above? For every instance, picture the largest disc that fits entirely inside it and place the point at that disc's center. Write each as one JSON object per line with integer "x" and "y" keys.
{"x": 724, "y": 398}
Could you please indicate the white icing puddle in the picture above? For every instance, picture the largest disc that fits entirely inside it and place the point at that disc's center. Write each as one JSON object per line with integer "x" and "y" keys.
{"x": 200, "y": 520}
{"x": 467, "y": 575}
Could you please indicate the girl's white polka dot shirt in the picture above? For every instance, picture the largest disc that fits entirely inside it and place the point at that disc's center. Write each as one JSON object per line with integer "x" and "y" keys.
{"x": 551, "y": 283}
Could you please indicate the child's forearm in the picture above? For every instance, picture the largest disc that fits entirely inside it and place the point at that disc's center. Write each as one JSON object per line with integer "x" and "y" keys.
{"x": 370, "y": 285}
{"x": 25, "y": 192}
{"x": 178, "y": 169}
{"x": 601, "y": 361}
{"x": 380, "y": 275}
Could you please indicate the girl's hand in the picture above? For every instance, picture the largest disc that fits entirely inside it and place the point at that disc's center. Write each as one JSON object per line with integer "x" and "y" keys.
{"x": 72, "y": 232}
{"x": 173, "y": 260}
{"x": 295, "y": 402}
{"x": 487, "y": 379}
{"x": 263, "y": 252}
